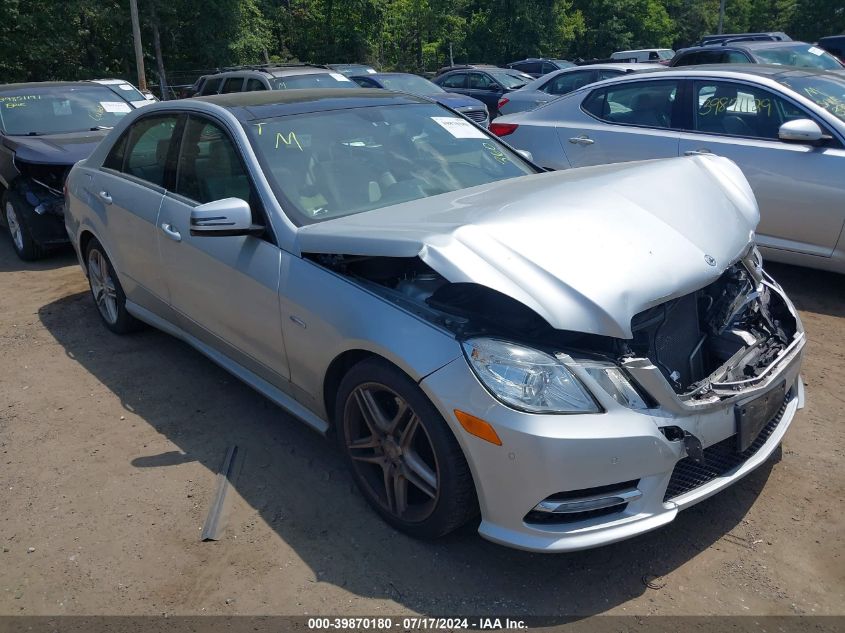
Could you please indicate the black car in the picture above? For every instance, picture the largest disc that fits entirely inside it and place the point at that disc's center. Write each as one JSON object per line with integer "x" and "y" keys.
{"x": 835, "y": 45}
{"x": 754, "y": 52}
{"x": 537, "y": 67}
{"x": 485, "y": 84}
{"x": 44, "y": 129}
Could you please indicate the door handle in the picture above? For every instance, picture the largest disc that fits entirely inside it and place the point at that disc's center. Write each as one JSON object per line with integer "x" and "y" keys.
{"x": 105, "y": 197}
{"x": 699, "y": 152}
{"x": 170, "y": 232}
{"x": 581, "y": 140}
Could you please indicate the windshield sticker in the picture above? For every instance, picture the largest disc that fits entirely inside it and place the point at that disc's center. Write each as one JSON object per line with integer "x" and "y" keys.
{"x": 115, "y": 106}
{"x": 338, "y": 77}
{"x": 62, "y": 108}
{"x": 291, "y": 140}
{"x": 18, "y": 99}
{"x": 458, "y": 127}
{"x": 815, "y": 50}
{"x": 371, "y": 71}
{"x": 495, "y": 152}
{"x": 125, "y": 87}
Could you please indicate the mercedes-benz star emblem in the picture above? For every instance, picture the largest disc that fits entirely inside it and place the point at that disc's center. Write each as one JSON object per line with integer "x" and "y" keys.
{"x": 710, "y": 260}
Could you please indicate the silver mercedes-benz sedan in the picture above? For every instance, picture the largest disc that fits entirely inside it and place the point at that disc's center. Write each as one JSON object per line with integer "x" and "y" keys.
{"x": 784, "y": 127}
{"x": 576, "y": 356}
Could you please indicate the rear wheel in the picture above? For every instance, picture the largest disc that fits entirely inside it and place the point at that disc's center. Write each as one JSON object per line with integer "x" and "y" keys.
{"x": 25, "y": 246}
{"x": 402, "y": 453}
{"x": 107, "y": 291}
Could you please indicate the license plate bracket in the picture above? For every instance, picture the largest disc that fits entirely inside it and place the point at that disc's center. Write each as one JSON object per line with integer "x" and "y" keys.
{"x": 755, "y": 414}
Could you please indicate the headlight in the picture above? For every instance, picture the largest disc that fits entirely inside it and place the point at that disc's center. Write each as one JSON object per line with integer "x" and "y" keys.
{"x": 527, "y": 379}
{"x": 616, "y": 383}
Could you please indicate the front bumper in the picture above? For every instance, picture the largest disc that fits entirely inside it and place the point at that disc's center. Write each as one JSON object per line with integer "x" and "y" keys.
{"x": 43, "y": 214}
{"x": 543, "y": 455}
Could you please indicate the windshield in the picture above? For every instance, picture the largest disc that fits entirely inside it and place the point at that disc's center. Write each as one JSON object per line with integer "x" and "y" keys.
{"x": 665, "y": 53}
{"x": 59, "y": 109}
{"x": 510, "y": 80}
{"x": 410, "y": 83}
{"x": 562, "y": 63}
{"x": 827, "y": 92}
{"x": 313, "y": 80}
{"x": 324, "y": 165}
{"x": 798, "y": 55}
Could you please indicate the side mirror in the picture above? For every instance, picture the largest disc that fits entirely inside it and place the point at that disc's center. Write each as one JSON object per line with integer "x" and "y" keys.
{"x": 801, "y": 131}
{"x": 226, "y": 217}
{"x": 526, "y": 155}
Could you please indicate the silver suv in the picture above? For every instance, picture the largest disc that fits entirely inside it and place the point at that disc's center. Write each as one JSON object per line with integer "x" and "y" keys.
{"x": 270, "y": 77}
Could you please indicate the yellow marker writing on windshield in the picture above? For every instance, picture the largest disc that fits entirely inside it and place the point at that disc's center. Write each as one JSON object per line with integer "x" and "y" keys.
{"x": 290, "y": 140}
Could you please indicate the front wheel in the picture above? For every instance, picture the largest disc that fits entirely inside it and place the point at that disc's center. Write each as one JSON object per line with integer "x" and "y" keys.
{"x": 402, "y": 454}
{"x": 107, "y": 291}
{"x": 25, "y": 245}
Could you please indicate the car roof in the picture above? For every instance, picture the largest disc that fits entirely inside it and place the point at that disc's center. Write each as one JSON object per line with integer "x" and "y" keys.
{"x": 247, "y": 106}
{"x": 751, "y": 45}
{"x": 767, "y": 71}
{"x": 643, "y": 50}
{"x": 48, "y": 84}
{"x": 627, "y": 66}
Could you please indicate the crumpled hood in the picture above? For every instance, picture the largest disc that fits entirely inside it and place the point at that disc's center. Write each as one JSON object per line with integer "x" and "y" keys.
{"x": 55, "y": 149}
{"x": 586, "y": 249}
{"x": 455, "y": 100}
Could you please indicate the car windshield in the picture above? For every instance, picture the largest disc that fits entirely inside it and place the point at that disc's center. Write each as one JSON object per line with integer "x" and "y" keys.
{"x": 827, "y": 92}
{"x": 323, "y": 165}
{"x": 665, "y": 53}
{"x": 410, "y": 83}
{"x": 313, "y": 80}
{"x": 59, "y": 109}
{"x": 125, "y": 91}
{"x": 510, "y": 80}
{"x": 562, "y": 63}
{"x": 798, "y": 55}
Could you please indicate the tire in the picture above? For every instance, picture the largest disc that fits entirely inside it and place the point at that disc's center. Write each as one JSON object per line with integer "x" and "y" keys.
{"x": 420, "y": 455}
{"x": 107, "y": 292}
{"x": 25, "y": 245}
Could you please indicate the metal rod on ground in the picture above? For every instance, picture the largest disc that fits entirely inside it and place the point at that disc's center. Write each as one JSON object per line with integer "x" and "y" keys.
{"x": 225, "y": 477}
{"x": 139, "y": 53}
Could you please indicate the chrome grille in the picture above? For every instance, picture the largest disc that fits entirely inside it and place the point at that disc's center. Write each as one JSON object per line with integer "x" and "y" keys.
{"x": 719, "y": 459}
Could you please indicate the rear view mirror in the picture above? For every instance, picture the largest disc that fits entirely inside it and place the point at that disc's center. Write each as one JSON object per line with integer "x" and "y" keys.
{"x": 226, "y": 217}
{"x": 801, "y": 131}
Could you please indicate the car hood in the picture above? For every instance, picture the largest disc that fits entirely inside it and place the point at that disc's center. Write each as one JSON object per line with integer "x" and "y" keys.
{"x": 455, "y": 100}
{"x": 54, "y": 149}
{"x": 586, "y": 249}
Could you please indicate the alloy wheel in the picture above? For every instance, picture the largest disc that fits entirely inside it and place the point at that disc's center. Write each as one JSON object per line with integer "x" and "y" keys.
{"x": 14, "y": 226}
{"x": 102, "y": 286}
{"x": 391, "y": 452}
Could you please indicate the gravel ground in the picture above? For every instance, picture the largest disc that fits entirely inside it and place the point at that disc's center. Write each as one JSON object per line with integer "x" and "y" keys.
{"x": 109, "y": 448}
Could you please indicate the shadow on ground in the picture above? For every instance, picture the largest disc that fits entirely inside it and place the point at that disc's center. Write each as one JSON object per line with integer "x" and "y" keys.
{"x": 296, "y": 481}
{"x": 811, "y": 290}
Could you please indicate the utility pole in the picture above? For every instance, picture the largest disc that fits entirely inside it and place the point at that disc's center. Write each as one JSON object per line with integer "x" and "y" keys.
{"x": 451, "y": 59}
{"x": 139, "y": 53}
{"x": 721, "y": 17}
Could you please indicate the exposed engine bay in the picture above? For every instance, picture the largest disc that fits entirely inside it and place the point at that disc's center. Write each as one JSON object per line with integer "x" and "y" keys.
{"x": 41, "y": 186}
{"x": 725, "y": 333}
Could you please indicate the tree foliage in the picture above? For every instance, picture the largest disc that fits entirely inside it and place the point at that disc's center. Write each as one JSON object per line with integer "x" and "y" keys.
{"x": 71, "y": 39}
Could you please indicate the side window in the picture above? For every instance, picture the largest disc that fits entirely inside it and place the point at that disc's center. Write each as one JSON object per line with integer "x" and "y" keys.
{"x": 458, "y": 80}
{"x": 253, "y": 84}
{"x": 211, "y": 86}
{"x": 734, "y": 57}
{"x": 646, "y": 103}
{"x": 117, "y": 153}
{"x": 481, "y": 82}
{"x": 652, "y": 55}
{"x": 567, "y": 82}
{"x": 548, "y": 67}
{"x": 690, "y": 59}
{"x": 735, "y": 109}
{"x": 609, "y": 74}
{"x": 209, "y": 166}
{"x": 710, "y": 57}
{"x": 147, "y": 148}
{"x": 531, "y": 67}
{"x": 233, "y": 84}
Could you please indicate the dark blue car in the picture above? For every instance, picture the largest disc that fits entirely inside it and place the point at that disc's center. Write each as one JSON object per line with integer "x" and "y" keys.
{"x": 416, "y": 85}
{"x": 485, "y": 84}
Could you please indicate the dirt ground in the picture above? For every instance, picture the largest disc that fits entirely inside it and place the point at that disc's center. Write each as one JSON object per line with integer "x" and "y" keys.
{"x": 109, "y": 448}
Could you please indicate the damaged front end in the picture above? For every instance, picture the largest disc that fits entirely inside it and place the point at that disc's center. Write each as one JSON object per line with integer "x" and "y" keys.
{"x": 692, "y": 351}
{"x": 41, "y": 186}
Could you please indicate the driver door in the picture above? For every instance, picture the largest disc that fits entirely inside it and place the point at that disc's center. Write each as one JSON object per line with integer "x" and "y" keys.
{"x": 224, "y": 288}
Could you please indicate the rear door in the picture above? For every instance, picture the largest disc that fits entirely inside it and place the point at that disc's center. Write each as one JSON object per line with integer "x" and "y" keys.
{"x": 127, "y": 192}
{"x": 455, "y": 82}
{"x": 799, "y": 187}
{"x": 484, "y": 88}
{"x": 223, "y": 288}
{"x": 631, "y": 120}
